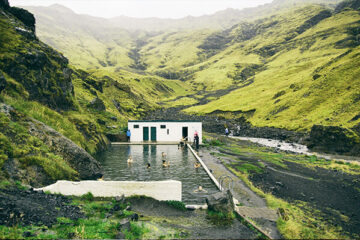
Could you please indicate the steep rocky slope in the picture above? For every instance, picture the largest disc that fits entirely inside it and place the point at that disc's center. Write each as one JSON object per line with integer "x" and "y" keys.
{"x": 50, "y": 111}
{"x": 36, "y": 79}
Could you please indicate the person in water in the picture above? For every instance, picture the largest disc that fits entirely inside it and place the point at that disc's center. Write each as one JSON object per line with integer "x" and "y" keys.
{"x": 163, "y": 155}
{"x": 197, "y": 165}
{"x": 148, "y": 166}
{"x": 165, "y": 164}
{"x": 200, "y": 189}
{"x": 130, "y": 160}
{"x": 101, "y": 178}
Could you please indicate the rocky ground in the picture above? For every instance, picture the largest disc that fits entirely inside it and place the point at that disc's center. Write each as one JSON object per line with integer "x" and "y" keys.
{"x": 332, "y": 192}
{"x": 26, "y": 213}
{"x": 29, "y": 207}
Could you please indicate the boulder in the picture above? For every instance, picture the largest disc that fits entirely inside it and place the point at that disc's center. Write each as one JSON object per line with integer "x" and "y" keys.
{"x": 221, "y": 202}
{"x": 332, "y": 139}
{"x": 135, "y": 217}
{"x": 87, "y": 166}
{"x": 124, "y": 224}
{"x": 97, "y": 104}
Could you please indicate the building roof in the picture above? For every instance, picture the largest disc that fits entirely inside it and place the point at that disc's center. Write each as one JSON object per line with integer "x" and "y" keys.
{"x": 140, "y": 121}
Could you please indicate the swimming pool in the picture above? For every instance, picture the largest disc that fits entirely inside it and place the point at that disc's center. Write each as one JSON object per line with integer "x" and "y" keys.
{"x": 116, "y": 168}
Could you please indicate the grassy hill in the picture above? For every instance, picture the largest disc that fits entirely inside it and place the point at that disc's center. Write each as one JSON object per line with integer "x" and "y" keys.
{"x": 298, "y": 74}
{"x": 291, "y": 64}
{"x": 38, "y": 86}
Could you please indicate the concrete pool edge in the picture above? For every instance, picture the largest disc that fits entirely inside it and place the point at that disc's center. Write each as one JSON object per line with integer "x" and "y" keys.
{"x": 212, "y": 177}
{"x": 205, "y": 167}
{"x": 170, "y": 190}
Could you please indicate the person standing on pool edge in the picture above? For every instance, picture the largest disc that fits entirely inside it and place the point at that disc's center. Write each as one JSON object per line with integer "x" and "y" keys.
{"x": 196, "y": 140}
{"x": 128, "y": 135}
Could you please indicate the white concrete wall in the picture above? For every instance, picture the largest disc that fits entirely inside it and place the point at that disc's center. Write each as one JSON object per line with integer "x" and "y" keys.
{"x": 161, "y": 190}
{"x": 172, "y": 132}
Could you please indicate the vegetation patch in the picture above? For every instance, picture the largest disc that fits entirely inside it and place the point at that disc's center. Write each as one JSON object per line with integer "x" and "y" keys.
{"x": 220, "y": 218}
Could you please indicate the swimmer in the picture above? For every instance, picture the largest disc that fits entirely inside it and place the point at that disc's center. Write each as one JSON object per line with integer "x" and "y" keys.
{"x": 200, "y": 189}
{"x": 130, "y": 160}
{"x": 165, "y": 164}
{"x": 163, "y": 155}
{"x": 101, "y": 179}
{"x": 148, "y": 166}
{"x": 197, "y": 165}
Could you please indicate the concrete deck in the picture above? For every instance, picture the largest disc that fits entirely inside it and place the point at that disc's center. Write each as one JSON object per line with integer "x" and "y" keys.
{"x": 161, "y": 190}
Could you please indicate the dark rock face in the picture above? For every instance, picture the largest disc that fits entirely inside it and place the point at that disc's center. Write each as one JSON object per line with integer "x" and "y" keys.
{"x": 98, "y": 104}
{"x": 332, "y": 139}
{"x": 28, "y": 207}
{"x": 3, "y": 82}
{"x": 42, "y": 71}
{"x": 240, "y": 127}
{"x": 4, "y": 4}
{"x": 121, "y": 137}
{"x": 221, "y": 202}
{"x": 26, "y": 17}
{"x": 79, "y": 159}
{"x": 352, "y": 4}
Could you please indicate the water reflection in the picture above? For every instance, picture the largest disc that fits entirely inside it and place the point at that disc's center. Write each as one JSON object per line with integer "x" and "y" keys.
{"x": 114, "y": 162}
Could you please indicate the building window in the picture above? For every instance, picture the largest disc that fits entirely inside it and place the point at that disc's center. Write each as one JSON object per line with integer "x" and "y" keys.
{"x": 163, "y": 126}
{"x": 168, "y": 132}
{"x": 136, "y": 126}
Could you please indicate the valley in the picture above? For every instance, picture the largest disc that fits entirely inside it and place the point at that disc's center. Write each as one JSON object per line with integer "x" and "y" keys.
{"x": 287, "y": 71}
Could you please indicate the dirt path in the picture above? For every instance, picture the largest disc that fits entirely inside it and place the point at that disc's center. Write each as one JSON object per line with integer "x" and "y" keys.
{"x": 254, "y": 206}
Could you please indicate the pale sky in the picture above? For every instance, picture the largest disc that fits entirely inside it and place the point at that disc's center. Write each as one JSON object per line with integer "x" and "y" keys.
{"x": 144, "y": 8}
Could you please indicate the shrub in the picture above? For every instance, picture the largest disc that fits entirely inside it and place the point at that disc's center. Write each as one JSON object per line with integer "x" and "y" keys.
{"x": 220, "y": 218}
{"x": 177, "y": 204}
{"x": 88, "y": 197}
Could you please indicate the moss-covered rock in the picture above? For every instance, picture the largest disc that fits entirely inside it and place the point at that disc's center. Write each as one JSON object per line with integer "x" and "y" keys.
{"x": 40, "y": 69}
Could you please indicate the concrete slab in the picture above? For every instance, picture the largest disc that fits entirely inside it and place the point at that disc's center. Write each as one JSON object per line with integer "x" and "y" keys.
{"x": 264, "y": 212}
{"x": 160, "y": 190}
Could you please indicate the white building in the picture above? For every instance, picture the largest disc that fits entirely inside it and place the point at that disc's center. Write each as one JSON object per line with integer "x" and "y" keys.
{"x": 164, "y": 131}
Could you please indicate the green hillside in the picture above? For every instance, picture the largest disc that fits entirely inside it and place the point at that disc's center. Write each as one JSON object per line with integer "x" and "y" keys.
{"x": 37, "y": 83}
{"x": 288, "y": 64}
{"x": 297, "y": 78}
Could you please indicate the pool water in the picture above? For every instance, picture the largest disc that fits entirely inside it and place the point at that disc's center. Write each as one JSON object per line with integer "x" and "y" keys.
{"x": 116, "y": 168}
